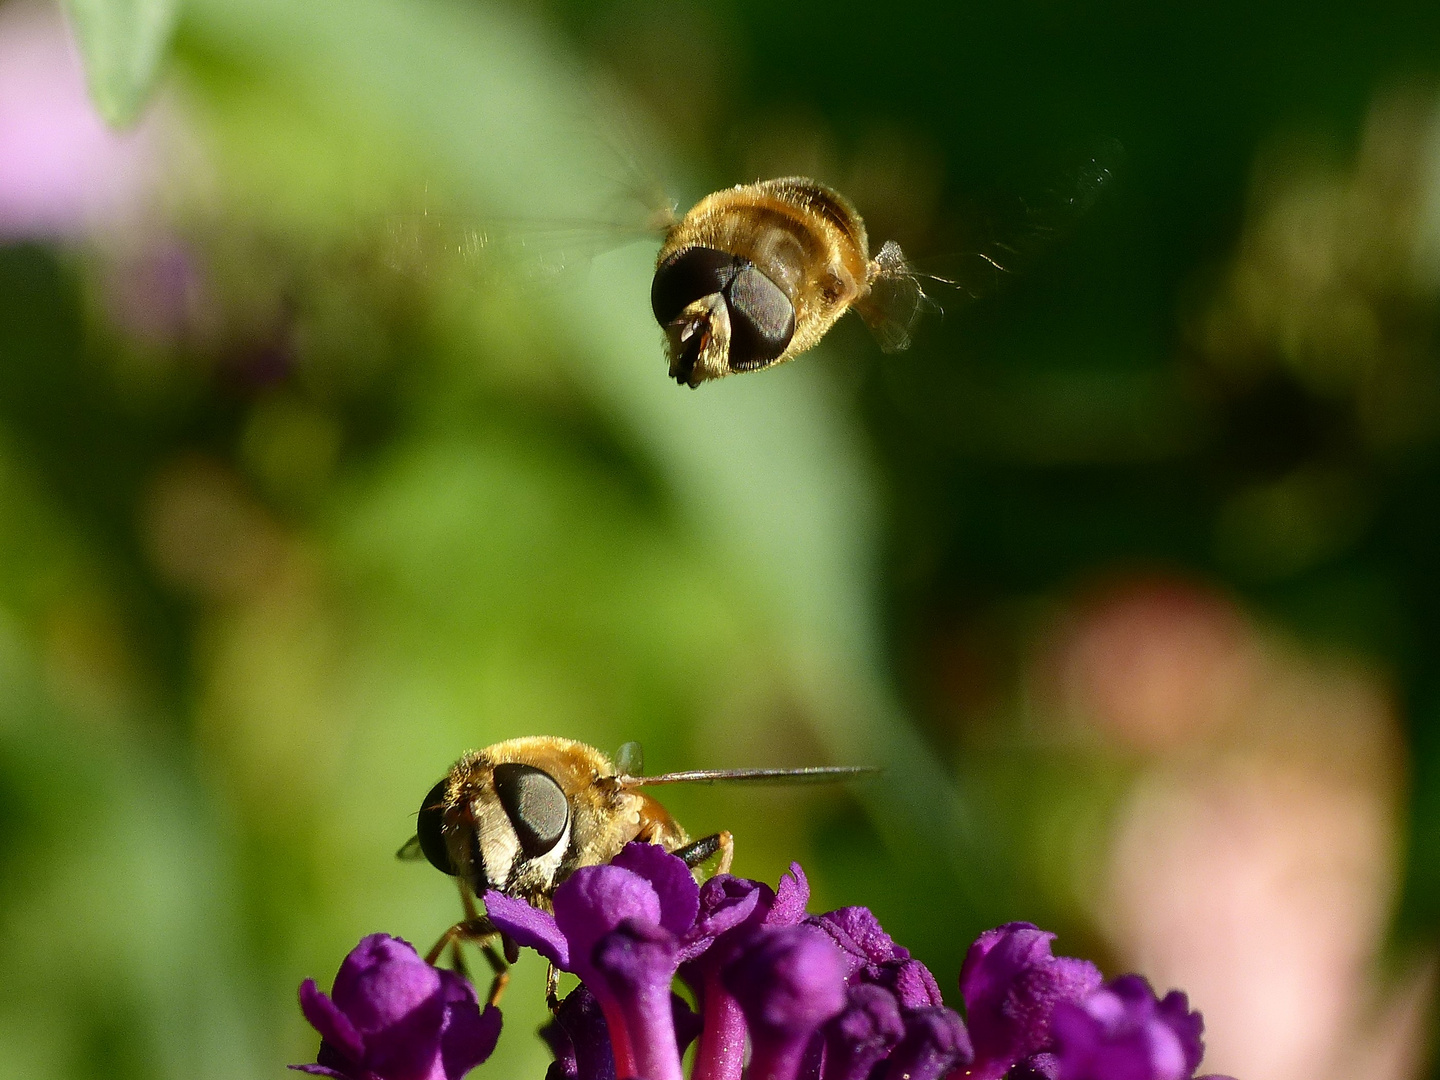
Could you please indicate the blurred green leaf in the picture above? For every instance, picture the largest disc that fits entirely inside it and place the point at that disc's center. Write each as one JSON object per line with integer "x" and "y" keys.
{"x": 123, "y": 43}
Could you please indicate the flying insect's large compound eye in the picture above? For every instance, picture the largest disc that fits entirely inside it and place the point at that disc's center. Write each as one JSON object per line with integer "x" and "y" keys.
{"x": 762, "y": 320}
{"x": 536, "y": 806}
{"x": 428, "y": 828}
{"x": 688, "y": 275}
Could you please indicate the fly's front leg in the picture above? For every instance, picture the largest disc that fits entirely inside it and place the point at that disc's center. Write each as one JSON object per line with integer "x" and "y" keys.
{"x": 702, "y": 849}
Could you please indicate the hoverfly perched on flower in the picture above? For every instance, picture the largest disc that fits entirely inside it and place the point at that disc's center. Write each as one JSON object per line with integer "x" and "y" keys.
{"x": 521, "y": 816}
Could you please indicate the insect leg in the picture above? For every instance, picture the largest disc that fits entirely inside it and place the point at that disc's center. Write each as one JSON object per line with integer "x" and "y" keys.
{"x": 457, "y": 961}
{"x": 727, "y": 853}
{"x": 502, "y": 974}
{"x": 482, "y": 932}
{"x": 702, "y": 849}
{"x": 552, "y": 989}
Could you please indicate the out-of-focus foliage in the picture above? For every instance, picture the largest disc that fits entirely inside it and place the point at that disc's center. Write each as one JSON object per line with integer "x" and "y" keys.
{"x": 124, "y": 43}
{"x": 1126, "y": 572}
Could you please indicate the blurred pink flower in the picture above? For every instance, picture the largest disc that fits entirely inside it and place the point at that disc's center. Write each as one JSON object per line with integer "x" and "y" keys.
{"x": 1154, "y": 661}
{"x": 1259, "y": 868}
{"x": 62, "y": 171}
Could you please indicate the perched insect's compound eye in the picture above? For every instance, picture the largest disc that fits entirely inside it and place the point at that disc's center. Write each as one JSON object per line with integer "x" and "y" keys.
{"x": 688, "y": 275}
{"x": 535, "y": 805}
{"x": 428, "y": 829}
{"x": 762, "y": 320}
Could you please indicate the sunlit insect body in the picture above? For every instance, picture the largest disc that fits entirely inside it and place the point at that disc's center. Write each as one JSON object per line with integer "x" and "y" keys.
{"x": 521, "y": 816}
{"x": 757, "y": 274}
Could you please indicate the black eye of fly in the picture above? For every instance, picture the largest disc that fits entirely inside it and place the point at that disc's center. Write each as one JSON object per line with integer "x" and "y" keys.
{"x": 688, "y": 275}
{"x": 428, "y": 829}
{"x": 762, "y": 320}
{"x": 535, "y": 805}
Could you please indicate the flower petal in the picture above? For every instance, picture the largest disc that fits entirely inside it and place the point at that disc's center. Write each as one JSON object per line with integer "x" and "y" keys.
{"x": 726, "y": 902}
{"x": 580, "y": 1031}
{"x": 935, "y": 1042}
{"x": 789, "y": 980}
{"x": 791, "y": 897}
{"x": 1011, "y": 984}
{"x": 671, "y": 879}
{"x": 528, "y": 926}
{"x": 863, "y": 1035}
{"x": 594, "y": 901}
{"x": 468, "y": 1036}
{"x": 381, "y": 981}
{"x": 1189, "y": 1027}
{"x": 333, "y": 1025}
{"x": 409, "y": 1049}
{"x": 908, "y": 980}
{"x": 860, "y": 936}
{"x": 1121, "y": 1033}
{"x": 688, "y": 1023}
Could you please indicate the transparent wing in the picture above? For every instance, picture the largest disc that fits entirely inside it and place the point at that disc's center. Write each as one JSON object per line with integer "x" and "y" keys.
{"x": 630, "y": 761}
{"x": 627, "y": 203}
{"x": 431, "y": 243}
{"x": 410, "y": 850}
{"x": 819, "y": 774}
{"x": 896, "y": 301}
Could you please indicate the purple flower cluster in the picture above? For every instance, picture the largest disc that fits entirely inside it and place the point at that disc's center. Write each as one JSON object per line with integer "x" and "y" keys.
{"x": 391, "y": 1016}
{"x": 809, "y": 997}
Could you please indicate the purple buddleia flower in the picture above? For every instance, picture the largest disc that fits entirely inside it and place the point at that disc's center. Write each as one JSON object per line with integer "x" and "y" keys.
{"x": 797, "y": 996}
{"x": 619, "y": 928}
{"x": 1011, "y": 985}
{"x": 1122, "y": 1032}
{"x": 391, "y": 1016}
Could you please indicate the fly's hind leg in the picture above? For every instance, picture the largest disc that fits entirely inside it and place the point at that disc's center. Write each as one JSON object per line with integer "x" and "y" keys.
{"x": 702, "y": 849}
{"x": 552, "y": 989}
{"x": 483, "y": 933}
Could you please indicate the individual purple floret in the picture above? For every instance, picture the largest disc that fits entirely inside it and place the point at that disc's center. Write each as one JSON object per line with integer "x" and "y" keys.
{"x": 1011, "y": 985}
{"x": 1122, "y": 1032}
{"x": 788, "y": 981}
{"x": 580, "y": 1040}
{"x": 618, "y": 927}
{"x": 864, "y": 1034}
{"x": 935, "y": 1042}
{"x": 391, "y": 1016}
{"x": 732, "y": 910}
{"x": 872, "y": 957}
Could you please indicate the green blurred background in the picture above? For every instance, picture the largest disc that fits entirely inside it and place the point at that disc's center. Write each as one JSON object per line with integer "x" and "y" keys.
{"x": 1128, "y": 572}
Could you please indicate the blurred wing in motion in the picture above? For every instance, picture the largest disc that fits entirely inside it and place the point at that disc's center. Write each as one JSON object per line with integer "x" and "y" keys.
{"x": 996, "y": 245}
{"x": 819, "y": 774}
{"x": 429, "y": 243}
{"x": 631, "y": 204}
